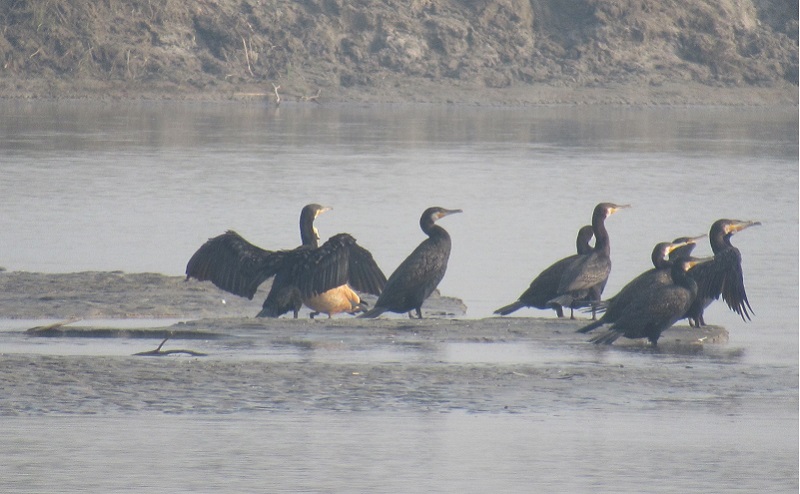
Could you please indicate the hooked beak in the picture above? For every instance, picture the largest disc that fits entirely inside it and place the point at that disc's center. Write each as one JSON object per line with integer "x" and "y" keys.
{"x": 447, "y": 212}
{"x": 616, "y": 208}
{"x": 738, "y": 226}
{"x": 678, "y": 245}
{"x": 693, "y": 240}
{"x": 694, "y": 261}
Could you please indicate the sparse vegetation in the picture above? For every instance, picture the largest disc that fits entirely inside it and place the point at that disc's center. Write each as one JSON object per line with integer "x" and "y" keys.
{"x": 75, "y": 47}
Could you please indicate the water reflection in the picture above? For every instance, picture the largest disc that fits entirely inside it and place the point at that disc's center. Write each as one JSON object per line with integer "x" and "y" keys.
{"x": 151, "y": 126}
{"x": 138, "y": 187}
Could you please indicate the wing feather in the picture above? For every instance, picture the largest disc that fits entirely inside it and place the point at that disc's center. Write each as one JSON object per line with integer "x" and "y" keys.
{"x": 234, "y": 264}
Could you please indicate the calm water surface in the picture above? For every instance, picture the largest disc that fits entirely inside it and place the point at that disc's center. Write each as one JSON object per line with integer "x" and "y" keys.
{"x": 138, "y": 187}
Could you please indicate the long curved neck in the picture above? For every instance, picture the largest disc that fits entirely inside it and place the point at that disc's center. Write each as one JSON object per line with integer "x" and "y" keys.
{"x": 308, "y": 234}
{"x": 433, "y": 230}
{"x": 582, "y": 241}
{"x": 719, "y": 241}
{"x": 658, "y": 259}
{"x": 601, "y": 240}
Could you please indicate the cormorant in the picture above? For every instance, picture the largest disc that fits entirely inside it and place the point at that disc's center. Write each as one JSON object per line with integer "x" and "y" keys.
{"x": 311, "y": 274}
{"x": 419, "y": 274}
{"x": 586, "y": 277}
{"x": 615, "y": 306}
{"x": 722, "y": 276}
{"x": 655, "y": 308}
{"x": 543, "y": 288}
{"x": 686, "y": 250}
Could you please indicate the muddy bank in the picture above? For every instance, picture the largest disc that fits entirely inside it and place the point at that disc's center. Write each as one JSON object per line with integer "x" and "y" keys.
{"x": 498, "y": 51}
{"x": 115, "y": 294}
{"x": 363, "y": 334}
{"x": 79, "y": 298}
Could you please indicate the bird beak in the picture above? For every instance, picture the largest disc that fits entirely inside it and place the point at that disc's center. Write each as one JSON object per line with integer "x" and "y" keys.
{"x": 693, "y": 240}
{"x": 678, "y": 245}
{"x": 616, "y": 208}
{"x": 741, "y": 225}
{"x": 447, "y": 212}
{"x": 694, "y": 261}
{"x": 324, "y": 209}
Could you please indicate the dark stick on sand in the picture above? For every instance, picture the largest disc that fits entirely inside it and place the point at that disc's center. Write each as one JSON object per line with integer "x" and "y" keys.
{"x": 160, "y": 353}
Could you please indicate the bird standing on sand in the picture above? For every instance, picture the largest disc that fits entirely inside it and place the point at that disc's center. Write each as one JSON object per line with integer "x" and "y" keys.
{"x": 586, "y": 277}
{"x": 319, "y": 276}
{"x": 656, "y": 307}
{"x": 419, "y": 274}
{"x": 615, "y": 306}
{"x": 544, "y": 287}
{"x": 722, "y": 276}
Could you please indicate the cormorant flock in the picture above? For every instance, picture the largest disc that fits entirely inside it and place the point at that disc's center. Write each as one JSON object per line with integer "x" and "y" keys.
{"x": 327, "y": 278}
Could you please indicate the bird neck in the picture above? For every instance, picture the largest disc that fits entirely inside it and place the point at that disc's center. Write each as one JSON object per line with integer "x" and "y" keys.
{"x": 719, "y": 240}
{"x": 434, "y": 231}
{"x": 681, "y": 278}
{"x": 659, "y": 262}
{"x": 601, "y": 240}
{"x": 582, "y": 244}
{"x": 308, "y": 234}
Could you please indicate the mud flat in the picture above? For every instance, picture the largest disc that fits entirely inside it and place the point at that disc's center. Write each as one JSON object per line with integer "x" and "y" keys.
{"x": 119, "y": 295}
{"x": 77, "y": 300}
{"x": 357, "y": 333}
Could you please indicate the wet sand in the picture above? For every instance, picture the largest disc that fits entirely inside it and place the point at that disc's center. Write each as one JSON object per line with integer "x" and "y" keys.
{"x": 82, "y": 342}
{"x": 72, "y": 299}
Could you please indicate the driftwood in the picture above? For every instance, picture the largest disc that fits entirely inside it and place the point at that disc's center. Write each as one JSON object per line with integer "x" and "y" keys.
{"x": 51, "y": 328}
{"x": 158, "y": 352}
{"x": 277, "y": 96}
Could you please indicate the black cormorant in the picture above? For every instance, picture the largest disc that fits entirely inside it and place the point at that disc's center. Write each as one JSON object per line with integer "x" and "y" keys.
{"x": 586, "y": 277}
{"x": 722, "y": 276}
{"x": 655, "y": 308}
{"x": 686, "y": 250}
{"x": 615, "y": 306}
{"x": 543, "y": 288}
{"x": 307, "y": 274}
{"x": 419, "y": 274}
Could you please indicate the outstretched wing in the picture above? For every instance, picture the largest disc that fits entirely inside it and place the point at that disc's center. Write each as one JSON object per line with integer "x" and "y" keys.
{"x": 234, "y": 264}
{"x": 723, "y": 276}
{"x": 338, "y": 261}
{"x": 733, "y": 292}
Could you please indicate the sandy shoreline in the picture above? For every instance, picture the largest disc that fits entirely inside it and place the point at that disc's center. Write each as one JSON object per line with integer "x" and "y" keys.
{"x": 667, "y": 94}
{"x": 78, "y": 299}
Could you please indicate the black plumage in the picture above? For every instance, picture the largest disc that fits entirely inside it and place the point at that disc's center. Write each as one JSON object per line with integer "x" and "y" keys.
{"x": 544, "y": 287}
{"x": 586, "y": 277}
{"x": 654, "y": 308}
{"x": 615, "y": 306}
{"x": 420, "y": 273}
{"x": 239, "y": 267}
{"x": 723, "y": 276}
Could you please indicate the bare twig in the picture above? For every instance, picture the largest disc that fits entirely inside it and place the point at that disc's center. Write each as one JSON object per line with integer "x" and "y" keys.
{"x": 247, "y": 56}
{"x": 54, "y": 326}
{"x": 160, "y": 353}
{"x": 277, "y": 96}
{"x": 313, "y": 98}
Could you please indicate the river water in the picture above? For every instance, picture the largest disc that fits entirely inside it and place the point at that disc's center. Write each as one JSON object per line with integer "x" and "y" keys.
{"x": 139, "y": 186}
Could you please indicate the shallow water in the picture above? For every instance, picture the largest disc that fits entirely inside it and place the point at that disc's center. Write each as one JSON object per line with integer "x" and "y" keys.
{"x": 138, "y": 187}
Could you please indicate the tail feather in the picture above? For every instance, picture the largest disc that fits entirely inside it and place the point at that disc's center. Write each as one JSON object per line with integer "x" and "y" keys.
{"x": 564, "y": 300}
{"x": 508, "y": 309}
{"x": 606, "y": 338}
{"x": 591, "y": 326}
{"x": 372, "y": 313}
